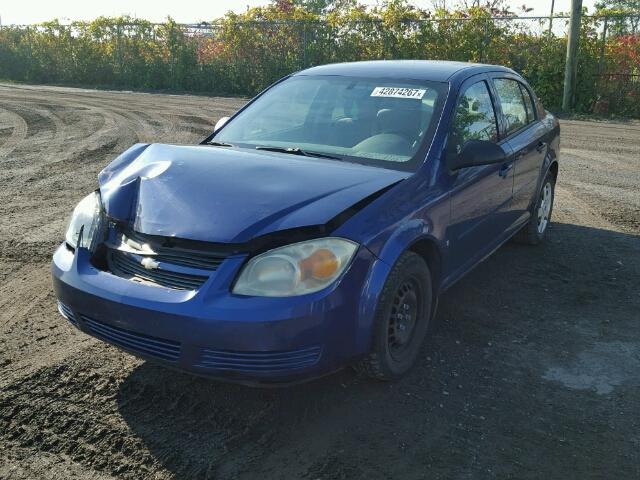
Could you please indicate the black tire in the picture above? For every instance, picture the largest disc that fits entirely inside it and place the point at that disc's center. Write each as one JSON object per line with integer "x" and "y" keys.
{"x": 408, "y": 288}
{"x": 532, "y": 233}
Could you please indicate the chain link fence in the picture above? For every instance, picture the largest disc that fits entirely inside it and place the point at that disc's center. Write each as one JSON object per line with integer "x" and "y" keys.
{"x": 242, "y": 57}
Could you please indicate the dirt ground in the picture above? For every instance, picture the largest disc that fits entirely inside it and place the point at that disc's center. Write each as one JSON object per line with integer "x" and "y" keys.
{"x": 533, "y": 372}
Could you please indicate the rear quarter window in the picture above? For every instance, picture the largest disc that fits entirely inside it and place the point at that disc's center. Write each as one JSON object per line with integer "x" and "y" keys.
{"x": 528, "y": 103}
{"x": 542, "y": 113}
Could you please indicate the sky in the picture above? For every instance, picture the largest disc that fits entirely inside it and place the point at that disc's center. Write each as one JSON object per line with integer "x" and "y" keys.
{"x": 183, "y": 11}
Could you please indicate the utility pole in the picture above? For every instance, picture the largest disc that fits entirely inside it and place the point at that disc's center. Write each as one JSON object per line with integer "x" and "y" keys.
{"x": 571, "y": 64}
{"x": 553, "y": 3}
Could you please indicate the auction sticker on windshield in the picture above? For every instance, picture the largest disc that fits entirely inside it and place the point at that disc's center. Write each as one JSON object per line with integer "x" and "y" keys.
{"x": 398, "y": 92}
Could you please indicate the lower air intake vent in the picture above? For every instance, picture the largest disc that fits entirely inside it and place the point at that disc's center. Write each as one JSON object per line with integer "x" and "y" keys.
{"x": 259, "y": 362}
{"x": 67, "y": 313}
{"x": 135, "y": 342}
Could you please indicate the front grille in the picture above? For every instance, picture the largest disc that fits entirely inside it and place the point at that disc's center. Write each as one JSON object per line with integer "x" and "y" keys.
{"x": 187, "y": 257}
{"x": 67, "y": 313}
{"x": 156, "y": 347}
{"x": 129, "y": 266}
{"x": 259, "y": 362}
{"x": 173, "y": 265}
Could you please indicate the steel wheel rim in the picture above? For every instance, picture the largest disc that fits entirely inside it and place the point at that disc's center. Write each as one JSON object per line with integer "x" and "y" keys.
{"x": 403, "y": 318}
{"x": 544, "y": 208}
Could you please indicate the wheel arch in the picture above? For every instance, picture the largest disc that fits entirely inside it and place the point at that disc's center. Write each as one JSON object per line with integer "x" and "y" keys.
{"x": 428, "y": 249}
{"x": 550, "y": 166}
{"x": 553, "y": 168}
{"x": 414, "y": 237}
{"x": 417, "y": 235}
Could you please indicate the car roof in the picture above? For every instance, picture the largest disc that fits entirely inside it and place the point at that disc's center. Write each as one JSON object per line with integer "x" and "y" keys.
{"x": 434, "y": 70}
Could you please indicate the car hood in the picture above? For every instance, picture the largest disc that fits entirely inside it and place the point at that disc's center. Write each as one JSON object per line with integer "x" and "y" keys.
{"x": 228, "y": 195}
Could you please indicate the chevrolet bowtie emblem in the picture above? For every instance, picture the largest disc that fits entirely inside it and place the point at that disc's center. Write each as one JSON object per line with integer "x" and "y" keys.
{"x": 149, "y": 263}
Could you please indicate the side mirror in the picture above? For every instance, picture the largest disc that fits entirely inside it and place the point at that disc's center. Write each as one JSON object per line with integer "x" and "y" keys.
{"x": 478, "y": 152}
{"x": 220, "y": 123}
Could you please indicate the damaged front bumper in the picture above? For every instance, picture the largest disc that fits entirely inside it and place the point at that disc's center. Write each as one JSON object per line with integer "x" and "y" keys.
{"x": 210, "y": 331}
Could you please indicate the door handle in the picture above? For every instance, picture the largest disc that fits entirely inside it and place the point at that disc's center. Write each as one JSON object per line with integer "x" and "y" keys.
{"x": 541, "y": 146}
{"x": 505, "y": 169}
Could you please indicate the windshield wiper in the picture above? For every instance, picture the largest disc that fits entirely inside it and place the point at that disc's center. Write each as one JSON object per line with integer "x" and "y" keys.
{"x": 297, "y": 151}
{"x": 215, "y": 143}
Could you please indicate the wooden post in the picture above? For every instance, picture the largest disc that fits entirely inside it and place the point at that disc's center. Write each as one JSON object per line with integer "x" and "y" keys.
{"x": 572, "y": 55}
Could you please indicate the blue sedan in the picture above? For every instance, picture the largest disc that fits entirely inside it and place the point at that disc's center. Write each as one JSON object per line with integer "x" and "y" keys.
{"x": 316, "y": 227}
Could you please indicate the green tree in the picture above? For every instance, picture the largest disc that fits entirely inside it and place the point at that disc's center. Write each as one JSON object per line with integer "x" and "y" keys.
{"x": 625, "y": 15}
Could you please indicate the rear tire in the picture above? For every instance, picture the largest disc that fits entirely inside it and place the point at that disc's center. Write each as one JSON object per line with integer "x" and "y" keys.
{"x": 534, "y": 231}
{"x": 401, "y": 320}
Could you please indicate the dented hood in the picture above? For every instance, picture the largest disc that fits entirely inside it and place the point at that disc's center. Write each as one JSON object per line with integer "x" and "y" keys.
{"x": 228, "y": 195}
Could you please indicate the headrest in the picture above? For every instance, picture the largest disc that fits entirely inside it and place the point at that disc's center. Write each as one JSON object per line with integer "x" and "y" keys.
{"x": 402, "y": 121}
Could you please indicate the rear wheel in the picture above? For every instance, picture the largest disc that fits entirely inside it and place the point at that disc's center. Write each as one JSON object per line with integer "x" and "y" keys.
{"x": 402, "y": 319}
{"x": 534, "y": 232}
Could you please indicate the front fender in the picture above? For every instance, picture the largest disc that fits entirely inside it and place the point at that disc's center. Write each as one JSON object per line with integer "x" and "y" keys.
{"x": 400, "y": 241}
{"x": 368, "y": 303}
{"x": 403, "y": 237}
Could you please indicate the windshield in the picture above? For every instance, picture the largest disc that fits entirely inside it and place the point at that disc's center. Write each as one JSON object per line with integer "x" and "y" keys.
{"x": 387, "y": 123}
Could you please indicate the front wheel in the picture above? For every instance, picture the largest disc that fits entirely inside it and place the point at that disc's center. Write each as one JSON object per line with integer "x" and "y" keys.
{"x": 401, "y": 320}
{"x": 534, "y": 231}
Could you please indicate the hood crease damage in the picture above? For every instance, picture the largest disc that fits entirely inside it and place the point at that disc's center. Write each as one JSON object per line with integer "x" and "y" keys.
{"x": 241, "y": 199}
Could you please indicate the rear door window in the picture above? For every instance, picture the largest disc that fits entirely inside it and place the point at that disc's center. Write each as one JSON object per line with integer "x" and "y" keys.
{"x": 512, "y": 102}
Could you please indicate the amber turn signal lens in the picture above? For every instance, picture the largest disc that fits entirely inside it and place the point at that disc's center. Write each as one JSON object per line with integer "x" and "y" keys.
{"x": 321, "y": 264}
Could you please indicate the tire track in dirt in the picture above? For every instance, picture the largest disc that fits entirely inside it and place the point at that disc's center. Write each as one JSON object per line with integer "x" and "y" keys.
{"x": 41, "y": 127}
{"x": 64, "y": 159}
{"x": 601, "y": 169}
{"x": 77, "y": 134}
{"x": 24, "y": 464}
{"x": 99, "y": 444}
{"x": 18, "y": 134}
{"x": 575, "y": 211}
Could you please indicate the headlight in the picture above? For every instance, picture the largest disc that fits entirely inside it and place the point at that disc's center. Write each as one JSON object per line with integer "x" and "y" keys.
{"x": 86, "y": 216}
{"x": 296, "y": 269}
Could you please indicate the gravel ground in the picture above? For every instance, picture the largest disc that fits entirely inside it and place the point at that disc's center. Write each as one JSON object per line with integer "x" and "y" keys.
{"x": 533, "y": 372}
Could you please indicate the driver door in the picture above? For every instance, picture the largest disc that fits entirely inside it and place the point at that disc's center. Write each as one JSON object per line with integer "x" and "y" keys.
{"x": 481, "y": 196}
